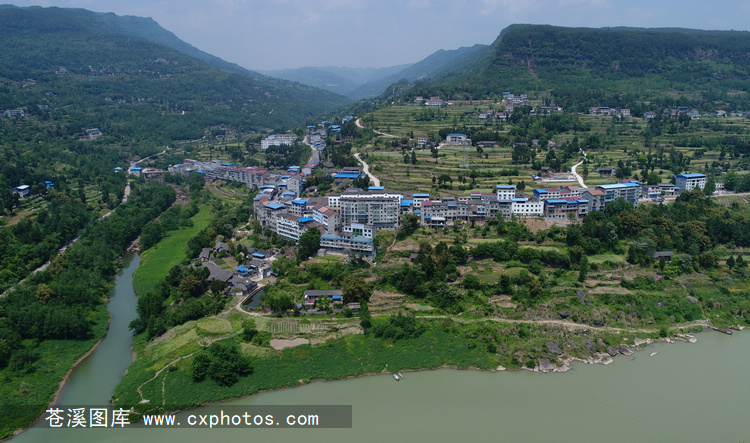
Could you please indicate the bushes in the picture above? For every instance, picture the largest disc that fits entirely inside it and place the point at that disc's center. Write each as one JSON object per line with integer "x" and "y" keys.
{"x": 223, "y": 363}
{"x": 399, "y": 327}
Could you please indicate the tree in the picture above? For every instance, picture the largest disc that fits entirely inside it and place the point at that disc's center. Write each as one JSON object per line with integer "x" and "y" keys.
{"x": 413, "y": 158}
{"x": 249, "y": 330}
{"x": 365, "y": 320}
{"x": 583, "y": 269}
{"x": 355, "y": 289}
{"x": 309, "y": 243}
{"x": 730, "y": 262}
{"x": 201, "y": 365}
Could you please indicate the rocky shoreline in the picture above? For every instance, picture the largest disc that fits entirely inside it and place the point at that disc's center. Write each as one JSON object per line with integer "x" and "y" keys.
{"x": 599, "y": 357}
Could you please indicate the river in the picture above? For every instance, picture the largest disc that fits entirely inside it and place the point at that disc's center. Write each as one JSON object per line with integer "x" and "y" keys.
{"x": 687, "y": 393}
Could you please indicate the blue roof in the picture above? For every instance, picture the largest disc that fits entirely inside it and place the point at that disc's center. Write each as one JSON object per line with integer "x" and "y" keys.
{"x": 311, "y": 127}
{"x": 556, "y": 201}
{"x": 286, "y": 176}
{"x": 421, "y": 195}
{"x": 522, "y": 200}
{"x": 618, "y": 186}
{"x": 540, "y": 191}
{"x": 305, "y": 219}
{"x": 275, "y": 206}
{"x": 406, "y": 202}
{"x": 376, "y": 188}
{"x": 346, "y": 176}
{"x": 227, "y": 164}
{"x": 418, "y": 212}
{"x": 506, "y": 186}
{"x": 299, "y": 202}
{"x": 289, "y": 194}
{"x": 258, "y": 255}
{"x": 266, "y": 187}
{"x": 335, "y": 297}
{"x": 136, "y": 169}
{"x": 242, "y": 269}
{"x": 691, "y": 176}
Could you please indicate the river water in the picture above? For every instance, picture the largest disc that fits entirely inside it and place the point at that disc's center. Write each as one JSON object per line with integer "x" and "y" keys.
{"x": 687, "y": 393}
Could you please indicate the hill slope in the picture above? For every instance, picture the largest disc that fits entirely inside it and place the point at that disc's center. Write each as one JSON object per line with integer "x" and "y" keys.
{"x": 439, "y": 63}
{"x": 106, "y": 66}
{"x": 590, "y": 62}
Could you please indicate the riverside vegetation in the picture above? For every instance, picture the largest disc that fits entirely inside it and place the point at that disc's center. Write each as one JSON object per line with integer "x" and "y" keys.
{"x": 502, "y": 293}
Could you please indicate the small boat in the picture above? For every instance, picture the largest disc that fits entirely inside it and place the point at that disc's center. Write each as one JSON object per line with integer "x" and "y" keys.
{"x": 632, "y": 358}
{"x": 396, "y": 377}
{"x": 653, "y": 353}
{"x": 400, "y": 376}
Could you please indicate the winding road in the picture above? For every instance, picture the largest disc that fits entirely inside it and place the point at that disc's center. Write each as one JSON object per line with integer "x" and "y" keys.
{"x": 366, "y": 169}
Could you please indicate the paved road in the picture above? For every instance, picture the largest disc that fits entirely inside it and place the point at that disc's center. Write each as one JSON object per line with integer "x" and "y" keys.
{"x": 366, "y": 168}
{"x": 573, "y": 170}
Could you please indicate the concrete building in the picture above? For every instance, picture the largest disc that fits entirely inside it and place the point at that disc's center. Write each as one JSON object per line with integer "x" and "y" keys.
{"x": 687, "y": 182}
{"x": 277, "y": 140}
{"x": 506, "y": 192}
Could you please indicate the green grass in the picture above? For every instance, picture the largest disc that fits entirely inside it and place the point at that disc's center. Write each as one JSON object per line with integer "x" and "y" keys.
{"x": 157, "y": 261}
{"x": 601, "y": 258}
{"x": 24, "y": 397}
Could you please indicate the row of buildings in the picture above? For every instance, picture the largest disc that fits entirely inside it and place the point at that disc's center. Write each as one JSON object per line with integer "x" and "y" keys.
{"x": 350, "y": 220}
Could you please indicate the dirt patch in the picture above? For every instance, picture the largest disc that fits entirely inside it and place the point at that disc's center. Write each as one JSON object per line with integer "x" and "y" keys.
{"x": 280, "y": 344}
{"x": 535, "y": 225}
{"x": 404, "y": 246}
{"x": 503, "y": 301}
{"x": 609, "y": 290}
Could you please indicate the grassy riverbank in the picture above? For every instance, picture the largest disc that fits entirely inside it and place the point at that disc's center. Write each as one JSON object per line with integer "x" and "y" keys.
{"x": 158, "y": 260}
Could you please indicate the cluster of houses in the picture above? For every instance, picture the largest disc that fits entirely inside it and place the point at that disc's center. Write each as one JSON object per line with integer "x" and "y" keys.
{"x": 24, "y": 191}
{"x": 240, "y": 280}
{"x": 674, "y": 112}
{"x": 350, "y": 220}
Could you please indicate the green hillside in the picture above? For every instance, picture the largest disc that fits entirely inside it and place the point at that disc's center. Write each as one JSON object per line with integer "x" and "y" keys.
{"x": 122, "y": 82}
{"x": 620, "y": 66}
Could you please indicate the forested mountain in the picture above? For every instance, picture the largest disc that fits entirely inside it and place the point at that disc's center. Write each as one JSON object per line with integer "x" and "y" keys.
{"x": 442, "y": 62}
{"x": 118, "y": 74}
{"x": 341, "y": 80}
{"x": 608, "y": 66}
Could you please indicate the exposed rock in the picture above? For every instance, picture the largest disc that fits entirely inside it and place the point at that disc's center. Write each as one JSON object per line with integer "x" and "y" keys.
{"x": 661, "y": 304}
{"x": 624, "y": 350}
{"x": 640, "y": 342}
{"x": 546, "y": 365}
{"x": 552, "y": 346}
{"x": 564, "y": 315}
{"x": 500, "y": 368}
{"x": 691, "y": 339}
{"x": 692, "y": 299}
{"x": 582, "y": 297}
{"x": 612, "y": 351}
{"x": 607, "y": 361}
{"x": 589, "y": 344}
{"x": 599, "y": 323}
{"x": 601, "y": 343}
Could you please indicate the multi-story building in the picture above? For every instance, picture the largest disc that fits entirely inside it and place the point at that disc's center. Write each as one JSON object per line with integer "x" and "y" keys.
{"x": 595, "y": 198}
{"x": 560, "y": 208}
{"x": 457, "y": 139}
{"x": 687, "y": 182}
{"x": 347, "y": 244}
{"x": 327, "y": 217}
{"x": 522, "y": 207}
{"x": 292, "y": 227}
{"x": 381, "y": 209}
{"x": 506, "y": 192}
{"x": 277, "y": 140}
{"x": 630, "y": 191}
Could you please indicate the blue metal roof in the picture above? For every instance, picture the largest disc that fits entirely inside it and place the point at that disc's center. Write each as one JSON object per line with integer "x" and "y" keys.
{"x": 299, "y": 202}
{"x": 421, "y": 195}
{"x": 242, "y": 269}
{"x": 266, "y": 187}
{"x": 522, "y": 200}
{"x": 227, "y": 164}
{"x": 305, "y": 219}
{"x": 417, "y": 212}
{"x": 275, "y": 206}
{"x": 540, "y": 191}
{"x": 505, "y": 187}
{"x": 458, "y": 135}
{"x": 690, "y": 176}
{"x": 376, "y": 188}
{"x": 406, "y": 202}
{"x": 258, "y": 255}
{"x": 346, "y": 176}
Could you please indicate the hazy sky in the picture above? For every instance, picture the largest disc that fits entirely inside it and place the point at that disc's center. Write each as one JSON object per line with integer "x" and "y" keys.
{"x": 274, "y": 34}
